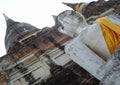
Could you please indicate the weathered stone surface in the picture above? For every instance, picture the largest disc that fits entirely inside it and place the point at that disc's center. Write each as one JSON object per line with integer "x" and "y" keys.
{"x": 112, "y": 68}
{"x": 35, "y": 43}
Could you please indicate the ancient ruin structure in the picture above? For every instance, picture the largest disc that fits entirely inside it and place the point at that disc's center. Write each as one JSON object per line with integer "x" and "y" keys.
{"x": 37, "y": 57}
{"x": 94, "y": 8}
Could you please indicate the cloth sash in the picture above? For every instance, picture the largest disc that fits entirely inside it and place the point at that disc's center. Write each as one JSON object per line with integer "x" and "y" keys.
{"x": 80, "y": 7}
{"x": 111, "y": 33}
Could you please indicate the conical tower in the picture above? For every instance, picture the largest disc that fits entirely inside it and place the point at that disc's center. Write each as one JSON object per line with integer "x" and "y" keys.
{"x": 15, "y": 30}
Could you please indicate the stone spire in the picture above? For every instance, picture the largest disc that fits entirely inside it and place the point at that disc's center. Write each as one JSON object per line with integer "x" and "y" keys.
{"x": 54, "y": 17}
{"x": 15, "y": 30}
{"x": 71, "y": 5}
{"x": 8, "y": 20}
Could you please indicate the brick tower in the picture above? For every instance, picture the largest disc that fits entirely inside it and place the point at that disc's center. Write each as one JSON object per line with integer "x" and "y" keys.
{"x": 36, "y": 57}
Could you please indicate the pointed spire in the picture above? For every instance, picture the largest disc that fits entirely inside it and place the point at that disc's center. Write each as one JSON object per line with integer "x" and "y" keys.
{"x": 54, "y": 17}
{"x": 15, "y": 30}
{"x": 73, "y": 6}
{"x": 8, "y": 20}
{"x": 79, "y": 7}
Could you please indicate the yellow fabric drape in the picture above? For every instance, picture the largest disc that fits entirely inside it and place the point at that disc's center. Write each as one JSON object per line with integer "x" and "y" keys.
{"x": 111, "y": 33}
{"x": 79, "y": 8}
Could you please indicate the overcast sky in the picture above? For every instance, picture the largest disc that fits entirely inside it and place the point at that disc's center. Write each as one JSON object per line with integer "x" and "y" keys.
{"x": 35, "y": 12}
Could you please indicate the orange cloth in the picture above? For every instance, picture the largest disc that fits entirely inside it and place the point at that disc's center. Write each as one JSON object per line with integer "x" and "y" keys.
{"x": 79, "y": 7}
{"x": 111, "y": 33}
